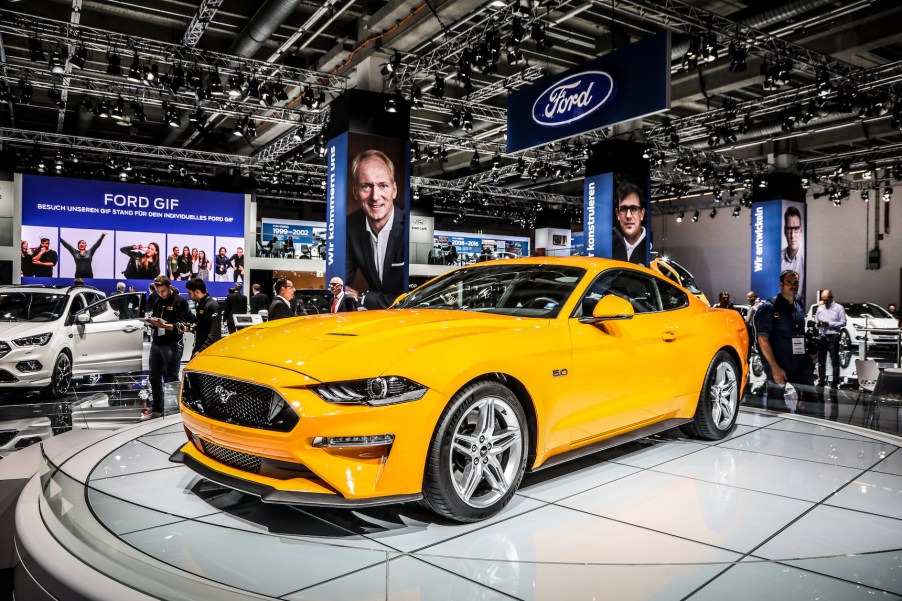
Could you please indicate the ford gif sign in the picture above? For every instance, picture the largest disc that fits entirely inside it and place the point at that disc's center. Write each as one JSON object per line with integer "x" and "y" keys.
{"x": 573, "y": 98}
{"x": 626, "y": 84}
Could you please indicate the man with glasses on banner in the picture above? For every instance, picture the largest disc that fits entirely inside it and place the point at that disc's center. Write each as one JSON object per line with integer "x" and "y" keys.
{"x": 793, "y": 255}
{"x": 629, "y": 233}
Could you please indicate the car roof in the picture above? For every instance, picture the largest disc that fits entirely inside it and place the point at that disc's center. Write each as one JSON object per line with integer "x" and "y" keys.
{"x": 42, "y": 287}
{"x": 588, "y": 263}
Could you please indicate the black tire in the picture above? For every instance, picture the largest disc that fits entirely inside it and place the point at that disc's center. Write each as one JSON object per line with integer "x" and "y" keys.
{"x": 61, "y": 379}
{"x": 451, "y": 486}
{"x": 718, "y": 403}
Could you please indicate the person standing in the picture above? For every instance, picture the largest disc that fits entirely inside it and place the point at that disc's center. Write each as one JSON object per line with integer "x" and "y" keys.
{"x": 208, "y": 319}
{"x": 195, "y": 263}
{"x": 44, "y": 260}
{"x": 169, "y": 311}
{"x": 120, "y": 303}
{"x": 184, "y": 264}
{"x": 222, "y": 264}
{"x": 237, "y": 261}
{"x": 831, "y": 319}
{"x": 723, "y": 302}
{"x": 203, "y": 266}
{"x": 259, "y": 301}
{"x": 341, "y": 302}
{"x": 27, "y": 266}
{"x": 281, "y": 304}
{"x": 780, "y": 325}
{"x": 83, "y": 256}
{"x": 235, "y": 304}
{"x": 172, "y": 262}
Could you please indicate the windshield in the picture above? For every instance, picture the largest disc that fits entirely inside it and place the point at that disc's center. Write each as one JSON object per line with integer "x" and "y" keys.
{"x": 865, "y": 311}
{"x": 688, "y": 281}
{"x": 522, "y": 290}
{"x": 32, "y": 306}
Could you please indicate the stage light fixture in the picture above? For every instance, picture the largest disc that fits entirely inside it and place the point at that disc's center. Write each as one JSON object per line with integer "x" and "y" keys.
{"x": 134, "y": 71}
{"x": 679, "y": 217}
{"x": 713, "y": 213}
{"x": 736, "y": 211}
{"x": 80, "y": 57}
{"x": 113, "y": 62}
{"x": 416, "y": 97}
{"x": 56, "y": 64}
{"x": 279, "y": 92}
{"x": 36, "y": 50}
{"x": 887, "y": 194}
{"x": 235, "y": 86}
{"x": 238, "y": 127}
{"x": 118, "y": 109}
{"x": 103, "y": 109}
{"x": 474, "y": 162}
{"x": 174, "y": 117}
{"x": 438, "y": 88}
{"x": 443, "y": 155}
{"x": 320, "y": 100}
{"x": 695, "y": 217}
{"x": 739, "y": 54}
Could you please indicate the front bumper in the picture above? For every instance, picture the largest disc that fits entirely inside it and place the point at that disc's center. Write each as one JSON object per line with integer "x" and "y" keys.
{"x": 287, "y": 468}
{"x": 13, "y": 377}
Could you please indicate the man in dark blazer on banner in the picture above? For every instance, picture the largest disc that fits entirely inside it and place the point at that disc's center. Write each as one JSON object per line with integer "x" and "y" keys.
{"x": 376, "y": 232}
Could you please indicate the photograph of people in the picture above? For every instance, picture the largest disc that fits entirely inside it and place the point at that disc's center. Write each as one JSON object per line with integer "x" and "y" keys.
{"x": 376, "y": 232}
{"x": 44, "y": 260}
{"x": 237, "y": 262}
{"x": 629, "y": 216}
{"x": 793, "y": 255}
{"x": 203, "y": 266}
{"x": 223, "y": 264}
{"x": 172, "y": 263}
{"x": 82, "y": 255}
{"x": 143, "y": 262}
{"x": 27, "y": 266}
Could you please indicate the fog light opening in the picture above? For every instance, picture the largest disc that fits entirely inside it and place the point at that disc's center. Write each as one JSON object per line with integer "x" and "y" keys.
{"x": 29, "y": 366}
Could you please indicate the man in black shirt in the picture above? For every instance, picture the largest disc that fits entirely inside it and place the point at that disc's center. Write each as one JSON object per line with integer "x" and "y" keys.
{"x": 44, "y": 260}
{"x": 166, "y": 347}
{"x": 208, "y": 321}
{"x": 235, "y": 304}
{"x": 259, "y": 301}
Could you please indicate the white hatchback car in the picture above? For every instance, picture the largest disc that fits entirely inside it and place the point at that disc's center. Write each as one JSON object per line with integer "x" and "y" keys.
{"x": 50, "y": 334}
{"x": 861, "y": 317}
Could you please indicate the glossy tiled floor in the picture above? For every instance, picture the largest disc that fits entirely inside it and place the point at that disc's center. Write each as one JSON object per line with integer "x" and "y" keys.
{"x": 784, "y": 508}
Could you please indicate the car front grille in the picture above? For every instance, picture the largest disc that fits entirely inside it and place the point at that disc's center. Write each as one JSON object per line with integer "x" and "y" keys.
{"x": 7, "y": 377}
{"x": 235, "y": 459}
{"x": 6, "y": 436}
{"x": 4, "y": 349}
{"x": 237, "y": 402}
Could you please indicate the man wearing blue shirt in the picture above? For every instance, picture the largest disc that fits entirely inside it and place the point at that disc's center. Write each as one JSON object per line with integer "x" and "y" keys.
{"x": 780, "y": 326}
{"x": 831, "y": 319}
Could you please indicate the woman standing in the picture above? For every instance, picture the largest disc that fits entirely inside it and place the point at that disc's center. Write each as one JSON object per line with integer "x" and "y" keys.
{"x": 184, "y": 264}
{"x": 144, "y": 261}
{"x": 173, "y": 263}
{"x": 27, "y": 264}
{"x": 203, "y": 266}
{"x": 83, "y": 257}
{"x": 193, "y": 262}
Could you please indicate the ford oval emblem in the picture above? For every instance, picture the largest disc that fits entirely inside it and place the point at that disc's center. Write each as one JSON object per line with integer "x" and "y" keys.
{"x": 573, "y": 98}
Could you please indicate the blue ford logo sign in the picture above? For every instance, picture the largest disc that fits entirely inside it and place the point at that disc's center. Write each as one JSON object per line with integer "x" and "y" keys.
{"x": 573, "y": 98}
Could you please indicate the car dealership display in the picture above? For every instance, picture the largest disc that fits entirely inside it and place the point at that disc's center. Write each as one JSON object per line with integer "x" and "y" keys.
{"x": 459, "y": 388}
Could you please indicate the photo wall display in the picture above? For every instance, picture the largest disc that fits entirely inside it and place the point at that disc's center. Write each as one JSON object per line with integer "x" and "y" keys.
{"x": 292, "y": 239}
{"x": 106, "y": 233}
{"x": 459, "y": 248}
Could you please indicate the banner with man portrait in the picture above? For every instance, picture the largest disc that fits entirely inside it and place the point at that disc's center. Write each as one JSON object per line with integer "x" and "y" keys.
{"x": 778, "y": 244}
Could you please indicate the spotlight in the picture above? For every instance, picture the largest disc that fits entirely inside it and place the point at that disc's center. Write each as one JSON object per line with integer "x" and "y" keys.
{"x": 443, "y": 155}
{"x": 416, "y": 97}
{"x": 516, "y": 35}
{"x": 713, "y": 213}
{"x": 521, "y": 8}
{"x": 118, "y": 110}
{"x": 438, "y": 89}
{"x": 113, "y": 61}
{"x": 56, "y": 64}
{"x": 238, "y": 127}
{"x": 319, "y": 147}
{"x": 174, "y": 118}
{"x": 474, "y": 162}
{"x": 320, "y": 100}
{"x": 197, "y": 115}
{"x": 679, "y": 217}
{"x": 134, "y": 72}
{"x": 467, "y": 123}
{"x": 455, "y": 119}
{"x": 736, "y": 211}
{"x": 80, "y": 58}
{"x": 887, "y": 194}
{"x": 251, "y": 127}
{"x": 253, "y": 87}
{"x": 151, "y": 74}
{"x": 695, "y": 217}
{"x": 865, "y": 195}
{"x": 738, "y": 54}
{"x": 235, "y": 86}
{"x": 103, "y": 109}
{"x": 496, "y": 162}
{"x": 37, "y": 50}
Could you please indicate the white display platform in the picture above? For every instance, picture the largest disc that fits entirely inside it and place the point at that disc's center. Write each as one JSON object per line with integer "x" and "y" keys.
{"x": 784, "y": 508}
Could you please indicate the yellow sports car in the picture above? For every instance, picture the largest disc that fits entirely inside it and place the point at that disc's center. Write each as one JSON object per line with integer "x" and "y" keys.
{"x": 461, "y": 386}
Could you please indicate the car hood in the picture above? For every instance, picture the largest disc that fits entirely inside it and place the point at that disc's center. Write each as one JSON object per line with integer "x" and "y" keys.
{"x": 17, "y": 329}
{"x": 363, "y": 344}
{"x": 880, "y": 323}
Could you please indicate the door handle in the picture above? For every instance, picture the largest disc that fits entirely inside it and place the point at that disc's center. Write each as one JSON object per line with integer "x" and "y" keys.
{"x": 669, "y": 336}
{"x": 130, "y": 329}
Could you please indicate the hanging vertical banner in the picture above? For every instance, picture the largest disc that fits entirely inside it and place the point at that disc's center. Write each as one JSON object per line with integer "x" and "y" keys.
{"x": 778, "y": 244}
{"x": 368, "y": 197}
{"x": 597, "y": 214}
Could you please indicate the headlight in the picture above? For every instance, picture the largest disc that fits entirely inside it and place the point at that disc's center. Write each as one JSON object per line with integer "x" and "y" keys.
{"x": 375, "y": 392}
{"x": 39, "y": 340}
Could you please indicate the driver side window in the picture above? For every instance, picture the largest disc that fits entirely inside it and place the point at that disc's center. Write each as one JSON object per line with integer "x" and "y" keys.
{"x": 78, "y": 303}
{"x": 637, "y": 288}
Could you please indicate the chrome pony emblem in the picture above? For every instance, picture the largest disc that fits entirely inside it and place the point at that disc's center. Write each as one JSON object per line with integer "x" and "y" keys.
{"x": 224, "y": 395}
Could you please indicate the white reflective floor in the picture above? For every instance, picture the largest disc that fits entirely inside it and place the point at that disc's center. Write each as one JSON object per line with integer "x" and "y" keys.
{"x": 785, "y": 508}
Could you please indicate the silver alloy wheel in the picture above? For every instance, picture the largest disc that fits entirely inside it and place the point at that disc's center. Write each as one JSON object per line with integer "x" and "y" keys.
{"x": 62, "y": 375}
{"x": 724, "y": 395}
{"x": 486, "y": 452}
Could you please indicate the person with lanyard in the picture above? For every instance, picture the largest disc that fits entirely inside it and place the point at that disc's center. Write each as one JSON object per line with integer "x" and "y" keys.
{"x": 831, "y": 319}
{"x": 780, "y": 326}
{"x": 169, "y": 311}
{"x": 208, "y": 319}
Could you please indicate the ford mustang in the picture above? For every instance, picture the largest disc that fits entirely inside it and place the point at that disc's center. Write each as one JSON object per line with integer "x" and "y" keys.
{"x": 450, "y": 395}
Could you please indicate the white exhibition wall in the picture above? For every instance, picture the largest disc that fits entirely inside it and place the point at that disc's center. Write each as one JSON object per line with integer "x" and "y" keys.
{"x": 717, "y": 251}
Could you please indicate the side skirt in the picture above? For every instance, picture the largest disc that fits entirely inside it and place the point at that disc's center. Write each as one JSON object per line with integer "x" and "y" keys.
{"x": 667, "y": 424}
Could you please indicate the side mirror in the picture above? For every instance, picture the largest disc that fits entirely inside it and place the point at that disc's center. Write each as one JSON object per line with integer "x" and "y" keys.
{"x": 610, "y": 308}
{"x": 83, "y": 317}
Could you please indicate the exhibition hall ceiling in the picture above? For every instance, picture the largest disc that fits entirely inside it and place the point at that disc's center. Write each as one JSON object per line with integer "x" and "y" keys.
{"x": 756, "y": 86}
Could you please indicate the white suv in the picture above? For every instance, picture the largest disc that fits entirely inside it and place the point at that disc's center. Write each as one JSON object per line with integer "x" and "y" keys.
{"x": 50, "y": 334}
